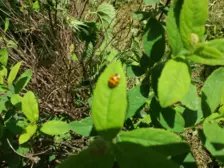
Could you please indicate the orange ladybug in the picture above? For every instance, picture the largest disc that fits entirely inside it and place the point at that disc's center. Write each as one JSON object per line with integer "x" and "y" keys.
{"x": 114, "y": 80}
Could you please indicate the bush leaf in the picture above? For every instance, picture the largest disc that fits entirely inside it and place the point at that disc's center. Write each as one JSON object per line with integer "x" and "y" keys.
{"x": 23, "y": 80}
{"x": 29, "y": 132}
{"x": 30, "y": 107}
{"x": 135, "y": 101}
{"x": 193, "y": 17}
{"x": 4, "y": 57}
{"x": 13, "y": 73}
{"x": 209, "y": 53}
{"x": 212, "y": 91}
{"x": 55, "y": 127}
{"x": 172, "y": 24}
{"x": 82, "y": 127}
{"x": 109, "y": 104}
{"x": 174, "y": 82}
{"x": 154, "y": 40}
{"x": 191, "y": 99}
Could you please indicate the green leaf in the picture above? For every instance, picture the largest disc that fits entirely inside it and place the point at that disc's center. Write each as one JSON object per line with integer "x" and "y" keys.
{"x": 193, "y": 17}
{"x": 210, "y": 53}
{"x": 160, "y": 140}
{"x": 13, "y": 73}
{"x": 30, "y": 107}
{"x": 150, "y": 2}
{"x": 36, "y": 5}
{"x": 218, "y": 153}
{"x": 101, "y": 157}
{"x": 213, "y": 130}
{"x": 186, "y": 160}
{"x": 131, "y": 155}
{"x": 166, "y": 117}
{"x": 212, "y": 91}
{"x": 16, "y": 100}
{"x": 6, "y": 24}
{"x": 82, "y": 127}
{"x": 106, "y": 14}
{"x": 135, "y": 101}
{"x": 191, "y": 99}
{"x": 74, "y": 57}
{"x": 3, "y": 101}
{"x": 55, "y": 127}
{"x": 23, "y": 80}
{"x": 4, "y": 57}
{"x": 3, "y": 74}
{"x": 109, "y": 104}
{"x": 174, "y": 82}
{"x": 154, "y": 40}
{"x": 29, "y": 132}
{"x": 172, "y": 25}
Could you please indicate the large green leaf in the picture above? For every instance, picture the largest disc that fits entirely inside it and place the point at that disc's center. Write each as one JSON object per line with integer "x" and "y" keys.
{"x": 212, "y": 91}
{"x": 172, "y": 25}
{"x": 30, "y": 107}
{"x": 4, "y": 57}
{"x": 97, "y": 155}
{"x": 82, "y": 127}
{"x": 135, "y": 101}
{"x": 174, "y": 82}
{"x": 131, "y": 155}
{"x": 164, "y": 142}
{"x": 166, "y": 117}
{"x": 154, "y": 40}
{"x": 191, "y": 99}
{"x": 109, "y": 104}
{"x": 13, "y": 73}
{"x": 55, "y": 127}
{"x": 29, "y": 132}
{"x": 23, "y": 80}
{"x": 210, "y": 53}
{"x": 193, "y": 17}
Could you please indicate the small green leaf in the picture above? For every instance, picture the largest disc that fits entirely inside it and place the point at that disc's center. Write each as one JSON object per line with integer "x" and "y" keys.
{"x": 36, "y": 5}
{"x": 3, "y": 74}
{"x": 172, "y": 25}
{"x": 166, "y": 117}
{"x": 23, "y": 80}
{"x": 109, "y": 104}
{"x": 191, "y": 99}
{"x": 210, "y": 53}
{"x": 4, "y": 57}
{"x": 82, "y": 127}
{"x": 55, "y": 127}
{"x": 193, "y": 17}
{"x": 29, "y": 132}
{"x": 174, "y": 82}
{"x": 154, "y": 40}
{"x": 15, "y": 99}
{"x": 30, "y": 107}
{"x": 74, "y": 57}
{"x": 212, "y": 91}
{"x": 13, "y": 73}
{"x": 6, "y": 24}
{"x": 213, "y": 129}
{"x": 135, "y": 101}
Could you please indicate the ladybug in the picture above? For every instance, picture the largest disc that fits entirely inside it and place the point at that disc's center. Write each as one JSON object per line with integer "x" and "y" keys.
{"x": 114, "y": 80}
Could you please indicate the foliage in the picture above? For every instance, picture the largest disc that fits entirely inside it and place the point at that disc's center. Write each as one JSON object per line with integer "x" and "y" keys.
{"x": 143, "y": 96}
